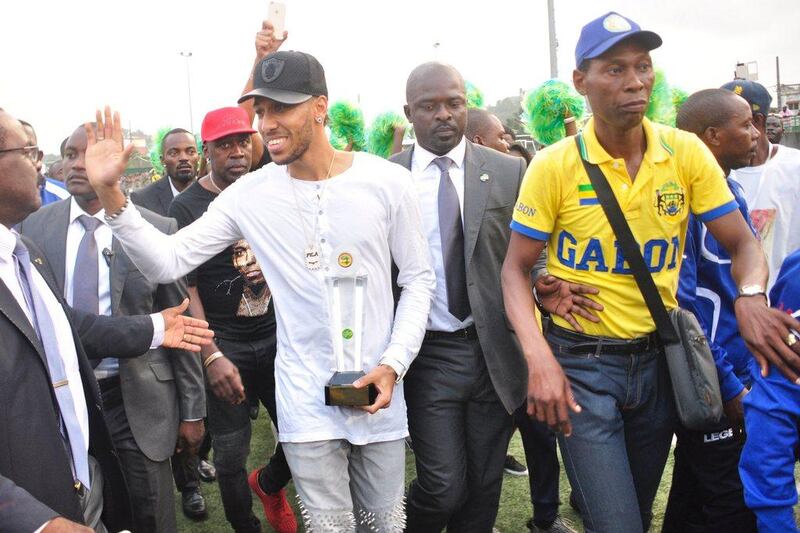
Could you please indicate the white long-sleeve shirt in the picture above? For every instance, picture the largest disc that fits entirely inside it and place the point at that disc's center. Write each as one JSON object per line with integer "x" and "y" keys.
{"x": 370, "y": 212}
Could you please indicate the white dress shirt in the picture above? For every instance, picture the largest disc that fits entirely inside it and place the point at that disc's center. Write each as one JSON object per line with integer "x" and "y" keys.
{"x": 369, "y": 211}
{"x": 63, "y": 331}
{"x": 109, "y": 366}
{"x": 426, "y": 178}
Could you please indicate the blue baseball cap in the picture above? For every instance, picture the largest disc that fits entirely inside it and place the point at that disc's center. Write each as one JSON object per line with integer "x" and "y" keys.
{"x": 756, "y": 94}
{"x": 604, "y": 32}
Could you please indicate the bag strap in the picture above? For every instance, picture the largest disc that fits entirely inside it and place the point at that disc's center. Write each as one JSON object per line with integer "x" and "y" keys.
{"x": 630, "y": 249}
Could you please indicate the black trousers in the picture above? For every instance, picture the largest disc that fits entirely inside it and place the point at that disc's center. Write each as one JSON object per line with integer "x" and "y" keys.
{"x": 460, "y": 432}
{"x": 184, "y": 465}
{"x": 539, "y": 443}
{"x": 149, "y": 482}
{"x": 230, "y": 427}
{"x": 706, "y": 493}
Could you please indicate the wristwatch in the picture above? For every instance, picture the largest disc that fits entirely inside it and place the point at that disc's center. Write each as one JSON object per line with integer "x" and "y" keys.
{"x": 752, "y": 290}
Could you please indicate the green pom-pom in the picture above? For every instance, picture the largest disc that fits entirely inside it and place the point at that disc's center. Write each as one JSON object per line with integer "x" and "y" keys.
{"x": 158, "y": 148}
{"x": 380, "y": 137}
{"x": 679, "y": 96}
{"x": 543, "y": 110}
{"x": 347, "y": 126}
{"x": 661, "y": 108}
{"x": 474, "y": 96}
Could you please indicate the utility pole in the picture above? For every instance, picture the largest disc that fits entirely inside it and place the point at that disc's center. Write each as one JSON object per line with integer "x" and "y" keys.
{"x": 187, "y": 54}
{"x": 778, "y": 80}
{"x": 551, "y": 26}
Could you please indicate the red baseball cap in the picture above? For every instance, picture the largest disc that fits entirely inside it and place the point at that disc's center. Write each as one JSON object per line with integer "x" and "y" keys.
{"x": 223, "y": 122}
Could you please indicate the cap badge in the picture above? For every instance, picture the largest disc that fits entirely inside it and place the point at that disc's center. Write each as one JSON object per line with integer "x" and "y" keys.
{"x": 271, "y": 69}
{"x": 616, "y": 24}
{"x": 738, "y": 90}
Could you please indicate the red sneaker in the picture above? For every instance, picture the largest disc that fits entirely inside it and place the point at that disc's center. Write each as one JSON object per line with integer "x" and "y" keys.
{"x": 276, "y": 508}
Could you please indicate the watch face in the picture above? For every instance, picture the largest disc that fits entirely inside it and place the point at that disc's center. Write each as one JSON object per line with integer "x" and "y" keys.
{"x": 751, "y": 290}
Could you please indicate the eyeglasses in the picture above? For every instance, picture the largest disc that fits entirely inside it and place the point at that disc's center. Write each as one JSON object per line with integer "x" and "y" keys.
{"x": 31, "y": 152}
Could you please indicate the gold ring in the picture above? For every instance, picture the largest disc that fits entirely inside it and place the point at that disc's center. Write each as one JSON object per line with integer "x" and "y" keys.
{"x": 791, "y": 339}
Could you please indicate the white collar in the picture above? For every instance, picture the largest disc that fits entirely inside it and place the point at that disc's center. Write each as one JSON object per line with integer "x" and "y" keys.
{"x": 175, "y": 192}
{"x": 75, "y": 211}
{"x": 424, "y": 158}
{"x": 8, "y": 240}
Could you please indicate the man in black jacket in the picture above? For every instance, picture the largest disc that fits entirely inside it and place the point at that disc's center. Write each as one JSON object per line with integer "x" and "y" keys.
{"x": 59, "y": 469}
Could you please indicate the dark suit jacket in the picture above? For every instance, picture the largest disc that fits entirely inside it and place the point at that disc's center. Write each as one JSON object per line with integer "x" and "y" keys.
{"x": 156, "y": 197}
{"x": 36, "y": 482}
{"x": 488, "y": 206}
{"x": 161, "y": 387}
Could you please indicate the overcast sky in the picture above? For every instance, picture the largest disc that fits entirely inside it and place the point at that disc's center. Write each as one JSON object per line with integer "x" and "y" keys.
{"x": 63, "y": 59}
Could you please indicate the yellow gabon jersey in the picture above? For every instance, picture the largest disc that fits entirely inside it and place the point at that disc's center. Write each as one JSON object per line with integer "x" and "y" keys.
{"x": 557, "y": 204}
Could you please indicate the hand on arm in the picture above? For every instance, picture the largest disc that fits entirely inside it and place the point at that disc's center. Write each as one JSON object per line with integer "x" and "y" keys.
{"x": 184, "y": 332}
{"x": 763, "y": 329}
{"x": 566, "y": 299}
{"x": 549, "y": 393}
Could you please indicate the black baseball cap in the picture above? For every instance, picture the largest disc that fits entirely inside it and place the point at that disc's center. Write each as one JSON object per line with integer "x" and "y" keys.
{"x": 288, "y": 77}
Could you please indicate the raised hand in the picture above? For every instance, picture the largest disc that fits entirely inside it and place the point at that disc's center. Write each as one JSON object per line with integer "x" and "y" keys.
{"x": 565, "y": 299}
{"x": 106, "y": 158}
{"x": 266, "y": 41}
{"x": 184, "y": 332}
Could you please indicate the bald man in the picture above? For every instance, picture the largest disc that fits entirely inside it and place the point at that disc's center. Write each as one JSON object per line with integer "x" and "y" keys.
{"x": 486, "y": 129}
{"x": 469, "y": 376}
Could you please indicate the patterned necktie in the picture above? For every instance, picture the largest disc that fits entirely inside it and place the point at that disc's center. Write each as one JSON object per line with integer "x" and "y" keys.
{"x": 70, "y": 428}
{"x": 452, "y": 235}
{"x": 86, "y": 273}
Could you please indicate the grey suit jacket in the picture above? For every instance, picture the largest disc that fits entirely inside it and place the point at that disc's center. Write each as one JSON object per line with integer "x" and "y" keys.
{"x": 156, "y": 197}
{"x": 488, "y": 205}
{"x": 161, "y": 387}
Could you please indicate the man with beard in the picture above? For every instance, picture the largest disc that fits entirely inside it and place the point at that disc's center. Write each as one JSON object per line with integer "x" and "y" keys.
{"x": 153, "y": 400}
{"x": 311, "y": 212}
{"x": 180, "y": 157}
{"x": 706, "y": 492}
{"x": 225, "y": 290}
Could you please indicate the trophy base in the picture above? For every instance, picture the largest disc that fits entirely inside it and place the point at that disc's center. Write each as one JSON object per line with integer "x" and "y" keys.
{"x": 340, "y": 391}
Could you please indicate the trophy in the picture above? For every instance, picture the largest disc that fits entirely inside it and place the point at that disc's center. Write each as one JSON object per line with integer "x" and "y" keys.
{"x": 346, "y": 295}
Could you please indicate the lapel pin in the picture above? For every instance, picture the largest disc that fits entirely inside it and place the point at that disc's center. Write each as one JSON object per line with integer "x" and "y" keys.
{"x": 38, "y": 260}
{"x": 484, "y": 177}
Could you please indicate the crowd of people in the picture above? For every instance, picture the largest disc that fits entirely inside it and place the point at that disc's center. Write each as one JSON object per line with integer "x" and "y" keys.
{"x": 466, "y": 288}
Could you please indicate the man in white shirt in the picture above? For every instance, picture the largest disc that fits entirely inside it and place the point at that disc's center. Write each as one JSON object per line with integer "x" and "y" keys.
{"x": 58, "y": 469}
{"x": 310, "y": 215}
{"x": 771, "y": 183}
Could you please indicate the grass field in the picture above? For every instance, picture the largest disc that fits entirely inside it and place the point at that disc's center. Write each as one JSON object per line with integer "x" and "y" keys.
{"x": 515, "y": 506}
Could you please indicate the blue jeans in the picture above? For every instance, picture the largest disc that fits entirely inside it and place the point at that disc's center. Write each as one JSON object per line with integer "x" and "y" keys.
{"x": 620, "y": 440}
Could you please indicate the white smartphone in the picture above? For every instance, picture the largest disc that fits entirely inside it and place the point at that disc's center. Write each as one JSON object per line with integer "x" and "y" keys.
{"x": 277, "y": 16}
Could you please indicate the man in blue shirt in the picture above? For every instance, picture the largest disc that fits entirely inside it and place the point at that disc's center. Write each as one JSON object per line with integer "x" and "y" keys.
{"x": 706, "y": 491}
{"x": 772, "y": 412}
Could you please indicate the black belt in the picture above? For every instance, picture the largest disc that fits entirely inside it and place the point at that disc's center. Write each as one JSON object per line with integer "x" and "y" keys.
{"x": 584, "y": 344}
{"x": 466, "y": 333}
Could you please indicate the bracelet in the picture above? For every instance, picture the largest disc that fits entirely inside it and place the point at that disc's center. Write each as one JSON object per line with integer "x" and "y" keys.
{"x": 569, "y": 120}
{"x": 211, "y": 358}
{"x": 118, "y": 212}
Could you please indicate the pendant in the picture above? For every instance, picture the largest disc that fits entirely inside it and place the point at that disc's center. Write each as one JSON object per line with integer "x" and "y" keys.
{"x": 312, "y": 257}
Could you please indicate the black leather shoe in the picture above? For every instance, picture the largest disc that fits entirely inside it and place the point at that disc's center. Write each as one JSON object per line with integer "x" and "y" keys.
{"x": 194, "y": 505}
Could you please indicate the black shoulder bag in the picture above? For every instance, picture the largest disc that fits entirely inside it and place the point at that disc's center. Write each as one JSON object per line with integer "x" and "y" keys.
{"x": 691, "y": 365}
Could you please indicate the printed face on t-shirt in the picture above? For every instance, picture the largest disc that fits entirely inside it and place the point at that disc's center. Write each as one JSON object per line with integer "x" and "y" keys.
{"x": 255, "y": 293}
